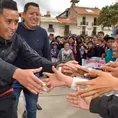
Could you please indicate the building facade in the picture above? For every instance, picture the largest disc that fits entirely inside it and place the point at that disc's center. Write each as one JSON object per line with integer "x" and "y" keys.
{"x": 74, "y": 20}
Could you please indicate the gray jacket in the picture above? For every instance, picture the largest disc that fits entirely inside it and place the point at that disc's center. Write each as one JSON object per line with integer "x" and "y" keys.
{"x": 64, "y": 56}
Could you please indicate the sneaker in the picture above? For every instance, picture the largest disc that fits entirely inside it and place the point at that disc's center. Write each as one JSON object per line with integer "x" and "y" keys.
{"x": 24, "y": 115}
{"x": 39, "y": 107}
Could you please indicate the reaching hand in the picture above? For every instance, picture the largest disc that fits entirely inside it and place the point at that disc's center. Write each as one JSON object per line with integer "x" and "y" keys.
{"x": 66, "y": 68}
{"x": 112, "y": 64}
{"x": 112, "y": 68}
{"x": 72, "y": 70}
{"x": 29, "y": 80}
{"x": 104, "y": 82}
{"x": 78, "y": 102}
{"x": 57, "y": 79}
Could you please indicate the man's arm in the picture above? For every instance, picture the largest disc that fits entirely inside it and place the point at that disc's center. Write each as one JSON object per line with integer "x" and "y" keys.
{"x": 33, "y": 59}
{"x": 6, "y": 70}
{"x": 105, "y": 106}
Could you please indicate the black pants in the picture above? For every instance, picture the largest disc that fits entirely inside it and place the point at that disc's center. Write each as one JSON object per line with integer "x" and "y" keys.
{"x": 8, "y": 106}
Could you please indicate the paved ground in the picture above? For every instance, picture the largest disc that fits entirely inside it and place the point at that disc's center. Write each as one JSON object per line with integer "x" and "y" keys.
{"x": 54, "y": 105}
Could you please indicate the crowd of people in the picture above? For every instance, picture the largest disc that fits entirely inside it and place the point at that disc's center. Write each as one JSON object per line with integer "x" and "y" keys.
{"x": 25, "y": 55}
{"x": 81, "y": 47}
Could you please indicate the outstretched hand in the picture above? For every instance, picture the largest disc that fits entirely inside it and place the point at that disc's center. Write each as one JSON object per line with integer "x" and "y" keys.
{"x": 103, "y": 83}
{"x": 78, "y": 102}
{"x": 27, "y": 78}
{"x": 56, "y": 79}
{"x": 112, "y": 68}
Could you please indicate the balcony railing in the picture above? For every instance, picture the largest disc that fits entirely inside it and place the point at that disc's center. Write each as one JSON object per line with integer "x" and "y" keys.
{"x": 83, "y": 23}
{"x": 94, "y": 24}
{"x": 67, "y": 33}
{"x": 84, "y": 33}
{"x": 50, "y": 29}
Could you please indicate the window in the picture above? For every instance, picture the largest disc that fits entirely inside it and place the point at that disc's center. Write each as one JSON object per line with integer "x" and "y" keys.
{"x": 50, "y": 26}
{"x": 66, "y": 32}
{"x": 95, "y": 21}
{"x": 94, "y": 32}
{"x": 50, "y": 29}
{"x": 83, "y": 30}
{"x": 84, "y": 20}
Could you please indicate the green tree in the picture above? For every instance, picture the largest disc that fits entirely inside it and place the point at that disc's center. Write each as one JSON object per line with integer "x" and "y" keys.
{"x": 108, "y": 15}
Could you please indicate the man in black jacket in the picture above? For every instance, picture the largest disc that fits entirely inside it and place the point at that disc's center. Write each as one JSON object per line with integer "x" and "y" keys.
{"x": 11, "y": 46}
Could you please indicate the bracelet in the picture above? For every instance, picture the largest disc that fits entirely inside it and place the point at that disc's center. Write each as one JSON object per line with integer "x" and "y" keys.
{"x": 60, "y": 69}
{"x": 74, "y": 86}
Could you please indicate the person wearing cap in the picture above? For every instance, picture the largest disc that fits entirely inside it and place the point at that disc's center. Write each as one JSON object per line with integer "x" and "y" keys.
{"x": 54, "y": 51}
{"x": 109, "y": 53}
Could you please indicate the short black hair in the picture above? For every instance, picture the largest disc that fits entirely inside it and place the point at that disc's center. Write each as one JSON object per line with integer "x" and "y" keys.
{"x": 101, "y": 32}
{"x": 30, "y": 4}
{"x": 8, "y": 4}
{"x": 109, "y": 38}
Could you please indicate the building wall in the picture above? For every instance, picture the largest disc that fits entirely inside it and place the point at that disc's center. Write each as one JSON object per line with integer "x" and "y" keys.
{"x": 56, "y": 27}
{"x": 89, "y": 27}
{"x": 72, "y": 13}
{"x": 75, "y": 29}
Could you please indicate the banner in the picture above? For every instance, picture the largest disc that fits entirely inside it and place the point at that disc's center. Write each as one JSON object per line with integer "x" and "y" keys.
{"x": 94, "y": 62}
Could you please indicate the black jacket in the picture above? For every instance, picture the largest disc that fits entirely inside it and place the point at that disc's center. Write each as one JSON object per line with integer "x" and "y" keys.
{"x": 105, "y": 106}
{"x": 9, "y": 51}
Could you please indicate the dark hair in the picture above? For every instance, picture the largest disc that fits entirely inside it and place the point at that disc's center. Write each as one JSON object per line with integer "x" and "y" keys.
{"x": 30, "y": 4}
{"x": 90, "y": 42}
{"x": 8, "y": 4}
{"x": 101, "y": 32}
{"x": 51, "y": 35}
{"x": 66, "y": 42}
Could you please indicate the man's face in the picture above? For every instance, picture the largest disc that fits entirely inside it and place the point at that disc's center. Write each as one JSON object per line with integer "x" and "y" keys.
{"x": 31, "y": 17}
{"x": 109, "y": 43}
{"x": 115, "y": 47}
{"x": 8, "y": 23}
{"x": 101, "y": 36}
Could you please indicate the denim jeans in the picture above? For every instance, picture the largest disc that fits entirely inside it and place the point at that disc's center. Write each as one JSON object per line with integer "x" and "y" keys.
{"x": 30, "y": 99}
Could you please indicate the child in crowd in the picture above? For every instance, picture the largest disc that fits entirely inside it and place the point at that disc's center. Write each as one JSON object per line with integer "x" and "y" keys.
{"x": 65, "y": 54}
{"x": 99, "y": 49}
{"x": 109, "y": 52}
{"x": 54, "y": 51}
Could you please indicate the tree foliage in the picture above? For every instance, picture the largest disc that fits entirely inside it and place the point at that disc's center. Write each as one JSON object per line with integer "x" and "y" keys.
{"x": 108, "y": 15}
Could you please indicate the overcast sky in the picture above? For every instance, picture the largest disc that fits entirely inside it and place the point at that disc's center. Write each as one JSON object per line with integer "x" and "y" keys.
{"x": 58, "y": 6}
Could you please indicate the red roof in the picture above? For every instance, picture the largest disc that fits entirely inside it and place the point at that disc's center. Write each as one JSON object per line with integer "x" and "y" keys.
{"x": 87, "y": 11}
{"x": 68, "y": 21}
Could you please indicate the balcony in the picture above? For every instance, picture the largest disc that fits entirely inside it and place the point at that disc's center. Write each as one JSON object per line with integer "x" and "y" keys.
{"x": 84, "y": 33}
{"x": 67, "y": 33}
{"x": 83, "y": 23}
{"x": 50, "y": 29}
{"x": 94, "y": 24}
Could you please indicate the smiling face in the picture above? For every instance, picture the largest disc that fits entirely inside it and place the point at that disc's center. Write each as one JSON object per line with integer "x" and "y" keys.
{"x": 66, "y": 46}
{"x": 109, "y": 43}
{"x": 115, "y": 47}
{"x": 101, "y": 36}
{"x": 8, "y": 23}
{"x": 31, "y": 17}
